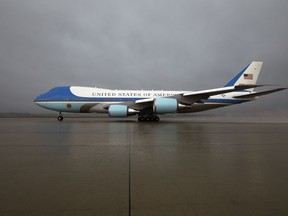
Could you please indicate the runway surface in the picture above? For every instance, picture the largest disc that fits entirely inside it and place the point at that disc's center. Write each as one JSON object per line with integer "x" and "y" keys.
{"x": 120, "y": 167}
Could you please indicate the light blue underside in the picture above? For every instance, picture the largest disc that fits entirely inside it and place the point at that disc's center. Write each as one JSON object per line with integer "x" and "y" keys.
{"x": 63, "y": 106}
{"x": 164, "y": 105}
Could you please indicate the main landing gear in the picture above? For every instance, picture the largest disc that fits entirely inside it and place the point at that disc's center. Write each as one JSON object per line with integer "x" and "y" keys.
{"x": 60, "y": 117}
{"x": 148, "y": 117}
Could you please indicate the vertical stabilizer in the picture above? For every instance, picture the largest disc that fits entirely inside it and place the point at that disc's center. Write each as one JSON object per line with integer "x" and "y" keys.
{"x": 248, "y": 76}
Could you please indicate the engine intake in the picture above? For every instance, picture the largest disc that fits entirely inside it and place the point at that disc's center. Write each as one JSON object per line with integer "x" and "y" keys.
{"x": 165, "y": 105}
{"x": 118, "y": 111}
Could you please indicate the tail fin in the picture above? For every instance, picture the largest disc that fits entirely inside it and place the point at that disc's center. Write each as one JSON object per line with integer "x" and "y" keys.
{"x": 247, "y": 76}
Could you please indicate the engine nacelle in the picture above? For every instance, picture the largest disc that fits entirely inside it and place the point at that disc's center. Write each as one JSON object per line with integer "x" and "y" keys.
{"x": 118, "y": 111}
{"x": 165, "y": 105}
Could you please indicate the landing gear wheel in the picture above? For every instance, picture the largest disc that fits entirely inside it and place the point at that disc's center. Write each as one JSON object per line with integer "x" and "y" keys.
{"x": 141, "y": 119}
{"x": 60, "y": 117}
{"x": 148, "y": 118}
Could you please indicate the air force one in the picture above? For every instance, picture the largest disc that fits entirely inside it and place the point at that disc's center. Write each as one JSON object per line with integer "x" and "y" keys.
{"x": 149, "y": 104}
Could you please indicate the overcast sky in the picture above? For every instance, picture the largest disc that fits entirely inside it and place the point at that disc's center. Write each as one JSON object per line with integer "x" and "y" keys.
{"x": 139, "y": 44}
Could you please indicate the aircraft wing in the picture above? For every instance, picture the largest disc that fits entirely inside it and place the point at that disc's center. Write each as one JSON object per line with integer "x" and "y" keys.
{"x": 192, "y": 97}
{"x": 189, "y": 98}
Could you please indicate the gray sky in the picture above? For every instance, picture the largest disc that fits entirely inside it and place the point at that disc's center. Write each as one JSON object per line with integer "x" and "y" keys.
{"x": 144, "y": 44}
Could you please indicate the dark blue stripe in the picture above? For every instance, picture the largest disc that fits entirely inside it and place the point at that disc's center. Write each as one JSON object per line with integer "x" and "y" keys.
{"x": 85, "y": 99}
{"x": 134, "y": 99}
{"x": 230, "y": 101}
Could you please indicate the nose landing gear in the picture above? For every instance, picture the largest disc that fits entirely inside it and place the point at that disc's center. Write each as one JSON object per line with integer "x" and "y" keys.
{"x": 60, "y": 117}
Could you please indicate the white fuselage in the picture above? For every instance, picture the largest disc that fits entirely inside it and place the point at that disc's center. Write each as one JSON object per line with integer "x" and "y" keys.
{"x": 88, "y": 99}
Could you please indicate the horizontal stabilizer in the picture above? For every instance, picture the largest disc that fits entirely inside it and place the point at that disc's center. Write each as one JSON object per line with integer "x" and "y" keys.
{"x": 257, "y": 94}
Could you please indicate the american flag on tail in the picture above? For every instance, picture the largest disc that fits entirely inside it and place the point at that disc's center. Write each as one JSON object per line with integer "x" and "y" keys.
{"x": 248, "y": 76}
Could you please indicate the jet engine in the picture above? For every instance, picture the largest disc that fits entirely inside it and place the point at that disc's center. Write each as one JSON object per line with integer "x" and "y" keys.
{"x": 119, "y": 111}
{"x": 165, "y": 105}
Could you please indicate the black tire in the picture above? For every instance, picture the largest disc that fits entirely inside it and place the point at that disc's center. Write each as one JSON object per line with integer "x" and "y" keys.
{"x": 141, "y": 119}
{"x": 60, "y": 118}
{"x": 157, "y": 119}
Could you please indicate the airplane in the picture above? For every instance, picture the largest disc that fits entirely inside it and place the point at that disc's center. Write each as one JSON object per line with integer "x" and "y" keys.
{"x": 148, "y": 105}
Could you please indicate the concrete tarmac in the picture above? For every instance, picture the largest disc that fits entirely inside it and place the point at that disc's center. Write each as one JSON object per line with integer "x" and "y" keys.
{"x": 104, "y": 166}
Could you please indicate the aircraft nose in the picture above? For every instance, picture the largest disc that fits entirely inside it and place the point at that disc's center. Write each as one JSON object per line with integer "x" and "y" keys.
{"x": 36, "y": 99}
{"x": 39, "y": 98}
